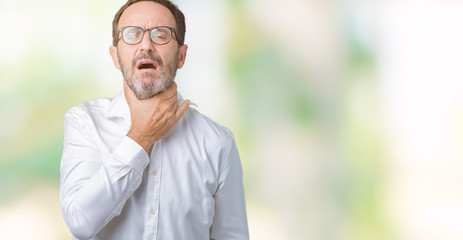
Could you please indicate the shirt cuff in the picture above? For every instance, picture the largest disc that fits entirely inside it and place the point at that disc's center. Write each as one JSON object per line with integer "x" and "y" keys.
{"x": 131, "y": 153}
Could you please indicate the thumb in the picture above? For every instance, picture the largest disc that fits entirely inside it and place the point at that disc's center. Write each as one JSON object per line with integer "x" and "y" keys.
{"x": 181, "y": 110}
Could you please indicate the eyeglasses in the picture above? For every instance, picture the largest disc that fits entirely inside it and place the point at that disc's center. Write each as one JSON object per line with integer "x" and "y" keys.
{"x": 158, "y": 35}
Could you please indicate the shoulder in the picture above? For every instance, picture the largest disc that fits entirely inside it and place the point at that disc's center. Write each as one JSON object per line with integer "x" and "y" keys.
{"x": 206, "y": 125}
{"x": 88, "y": 110}
{"x": 207, "y": 131}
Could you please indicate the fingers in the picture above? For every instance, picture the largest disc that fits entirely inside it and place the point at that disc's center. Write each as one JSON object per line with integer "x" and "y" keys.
{"x": 181, "y": 110}
{"x": 174, "y": 106}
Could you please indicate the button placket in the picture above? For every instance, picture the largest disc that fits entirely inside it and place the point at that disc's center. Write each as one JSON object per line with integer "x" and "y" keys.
{"x": 151, "y": 223}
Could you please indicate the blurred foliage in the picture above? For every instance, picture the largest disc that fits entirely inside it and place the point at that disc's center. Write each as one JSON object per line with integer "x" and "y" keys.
{"x": 42, "y": 88}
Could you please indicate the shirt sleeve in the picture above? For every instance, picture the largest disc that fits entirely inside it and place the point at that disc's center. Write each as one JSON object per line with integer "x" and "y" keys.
{"x": 230, "y": 220}
{"x": 94, "y": 186}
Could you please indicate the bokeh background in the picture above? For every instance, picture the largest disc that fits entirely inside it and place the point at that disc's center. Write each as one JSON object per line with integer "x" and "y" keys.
{"x": 348, "y": 113}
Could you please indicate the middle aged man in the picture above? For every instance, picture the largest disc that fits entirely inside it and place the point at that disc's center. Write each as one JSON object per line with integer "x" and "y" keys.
{"x": 143, "y": 165}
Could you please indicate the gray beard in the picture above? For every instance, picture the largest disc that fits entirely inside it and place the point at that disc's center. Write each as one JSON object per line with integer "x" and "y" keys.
{"x": 148, "y": 90}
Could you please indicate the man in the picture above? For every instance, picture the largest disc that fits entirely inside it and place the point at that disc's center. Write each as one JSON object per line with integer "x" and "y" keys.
{"x": 144, "y": 165}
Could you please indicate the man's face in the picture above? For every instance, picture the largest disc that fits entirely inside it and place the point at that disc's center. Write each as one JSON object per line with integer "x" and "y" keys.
{"x": 148, "y": 68}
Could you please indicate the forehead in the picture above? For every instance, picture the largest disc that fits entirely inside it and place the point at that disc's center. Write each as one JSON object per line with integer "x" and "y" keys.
{"x": 147, "y": 14}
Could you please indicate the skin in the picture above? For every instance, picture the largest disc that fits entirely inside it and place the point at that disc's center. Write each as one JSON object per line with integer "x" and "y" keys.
{"x": 154, "y": 117}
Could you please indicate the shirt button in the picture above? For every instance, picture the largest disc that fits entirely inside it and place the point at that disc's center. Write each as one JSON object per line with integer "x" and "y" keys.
{"x": 155, "y": 172}
{"x": 152, "y": 211}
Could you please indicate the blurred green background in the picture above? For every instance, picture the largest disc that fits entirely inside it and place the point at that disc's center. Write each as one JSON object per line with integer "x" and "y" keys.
{"x": 347, "y": 113}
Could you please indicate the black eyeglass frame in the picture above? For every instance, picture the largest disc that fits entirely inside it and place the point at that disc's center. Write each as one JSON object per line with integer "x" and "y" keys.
{"x": 171, "y": 30}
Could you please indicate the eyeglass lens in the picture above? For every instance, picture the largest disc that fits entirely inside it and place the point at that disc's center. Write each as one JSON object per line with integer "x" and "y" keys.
{"x": 134, "y": 35}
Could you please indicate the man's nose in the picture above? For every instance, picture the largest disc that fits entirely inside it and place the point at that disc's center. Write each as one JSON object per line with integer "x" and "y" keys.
{"x": 146, "y": 45}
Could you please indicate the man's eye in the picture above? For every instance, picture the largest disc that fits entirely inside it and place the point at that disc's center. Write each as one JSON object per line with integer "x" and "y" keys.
{"x": 132, "y": 35}
{"x": 159, "y": 34}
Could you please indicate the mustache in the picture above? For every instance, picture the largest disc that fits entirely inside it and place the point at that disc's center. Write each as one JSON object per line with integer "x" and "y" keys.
{"x": 150, "y": 56}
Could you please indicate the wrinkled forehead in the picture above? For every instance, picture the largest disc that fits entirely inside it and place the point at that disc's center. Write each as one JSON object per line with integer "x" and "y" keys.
{"x": 147, "y": 14}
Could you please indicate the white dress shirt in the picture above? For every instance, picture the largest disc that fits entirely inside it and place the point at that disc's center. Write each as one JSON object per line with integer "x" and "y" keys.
{"x": 190, "y": 188}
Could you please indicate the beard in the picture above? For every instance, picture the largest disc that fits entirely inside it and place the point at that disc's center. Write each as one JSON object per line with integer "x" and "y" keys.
{"x": 142, "y": 89}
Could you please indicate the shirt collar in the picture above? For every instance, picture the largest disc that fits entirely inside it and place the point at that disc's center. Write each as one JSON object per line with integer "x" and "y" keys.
{"x": 119, "y": 107}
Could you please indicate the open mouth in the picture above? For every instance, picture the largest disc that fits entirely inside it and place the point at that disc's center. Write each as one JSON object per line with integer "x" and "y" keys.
{"x": 146, "y": 64}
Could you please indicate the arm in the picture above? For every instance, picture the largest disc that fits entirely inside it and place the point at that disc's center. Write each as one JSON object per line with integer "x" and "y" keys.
{"x": 94, "y": 190}
{"x": 230, "y": 221}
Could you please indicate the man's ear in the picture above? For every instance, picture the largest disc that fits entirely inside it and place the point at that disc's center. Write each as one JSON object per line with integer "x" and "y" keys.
{"x": 182, "y": 55}
{"x": 114, "y": 56}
